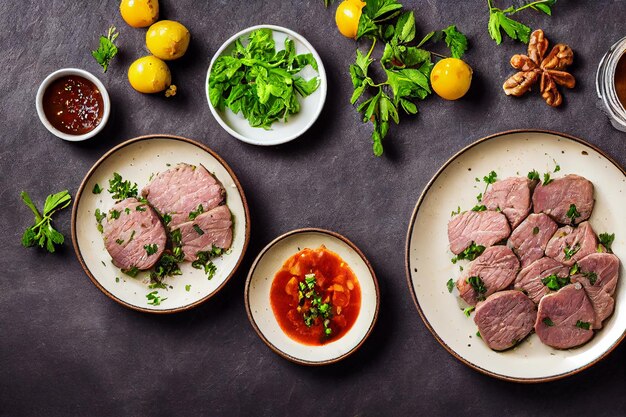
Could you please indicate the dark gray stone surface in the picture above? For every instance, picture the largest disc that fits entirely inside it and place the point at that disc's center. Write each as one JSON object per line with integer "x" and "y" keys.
{"x": 66, "y": 349}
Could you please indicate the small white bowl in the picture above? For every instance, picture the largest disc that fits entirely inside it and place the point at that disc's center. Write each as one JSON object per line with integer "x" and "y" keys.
{"x": 261, "y": 315}
{"x": 82, "y": 73}
{"x": 280, "y": 132}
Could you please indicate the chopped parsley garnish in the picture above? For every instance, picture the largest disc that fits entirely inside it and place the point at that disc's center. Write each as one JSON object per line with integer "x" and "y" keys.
{"x": 151, "y": 249}
{"x": 557, "y": 168}
{"x": 570, "y": 251}
{"x": 546, "y": 178}
{"x": 167, "y": 266}
{"x": 99, "y": 217}
{"x": 119, "y": 241}
{"x": 479, "y": 197}
{"x": 132, "y": 272}
{"x": 591, "y": 276}
{"x": 479, "y": 208}
{"x": 555, "y": 282}
{"x": 157, "y": 284}
{"x": 154, "y": 298}
{"x": 574, "y": 269}
{"x": 454, "y": 213}
{"x": 607, "y": 240}
{"x": 132, "y": 235}
{"x": 472, "y": 252}
{"x": 572, "y": 213}
{"x": 478, "y": 285}
{"x": 96, "y": 189}
{"x": 117, "y": 279}
{"x": 533, "y": 175}
{"x": 127, "y": 210}
{"x": 204, "y": 262}
{"x": 314, "y": 309}
{"x": 467, "y": 311}
{"x": 491, "y": 178}
{"x": 198, "y": 230}
{"x": 121, "y": 189}
{"x": 114, "y": 214}
{"x": 478, "y": 334}
{"x": 187, "y": 287}
{"x": 583, "y": 325}
{"x": 548, "y": 322}
{"x": 196, "y": 212}
{"x": 450, "y": 285}
{"x": 535, "y": 230}
{"x": 167, "y": 219}
{"x": 140, "y": 208}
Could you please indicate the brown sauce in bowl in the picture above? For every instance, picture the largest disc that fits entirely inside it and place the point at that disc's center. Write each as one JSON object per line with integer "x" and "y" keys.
{"x": 73, "y": 105}
{"x": 620, "y": 80}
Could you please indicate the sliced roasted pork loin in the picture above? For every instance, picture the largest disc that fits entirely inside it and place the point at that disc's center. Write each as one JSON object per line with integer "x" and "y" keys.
{"x": 530, "y": 238}
{"x": 529, "y": 279}
{"x": 492, "y": 271}
{"x": 556, "y": 198}
{"x": 505, "y": 318}
{"x": 571, "y": 244}
{"x": 213, "y": 228}
{"x": 484, "y": 228}
{"x": 512, "y": 197}
{"x": 133, "y": 235}
{"x": 181, "y": 190}
{"x": 602, "y": 268}
{"x": 601, "y": 301}
{"x": 565, "y": 318}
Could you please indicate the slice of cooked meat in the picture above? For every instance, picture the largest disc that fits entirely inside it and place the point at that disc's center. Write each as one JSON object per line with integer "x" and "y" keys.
{"x": 180, "y": 191}
{"x": 213, "y": 228}
{"x": 133, "y": 235}
{"x": 512, "y": 196}
{"x": 605, "y": 267}
{"x": 529, "y": 279}
{"x": 481, "y": 227}
{"x": 505, "y": 318}
{"x": 530, "y": 238}
{"x": 601, "y": 301}
{"x": 492, "y": 271}
{"x": 571, "y": 244}
{"x": 556, "y": 198}
{"x": 565, "y": 318}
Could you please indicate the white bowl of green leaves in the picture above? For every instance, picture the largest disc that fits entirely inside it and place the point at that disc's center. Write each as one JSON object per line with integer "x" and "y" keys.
{"x": 266, "y": 85}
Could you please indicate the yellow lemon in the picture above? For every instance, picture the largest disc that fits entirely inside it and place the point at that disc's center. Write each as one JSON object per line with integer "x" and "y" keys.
{"x": 139, "y": 13}
{"x": 347, "y": 17}
{"x": 451, "y": 78}
{"x": 167, "y": 39}
{"x": 149, "y": 75}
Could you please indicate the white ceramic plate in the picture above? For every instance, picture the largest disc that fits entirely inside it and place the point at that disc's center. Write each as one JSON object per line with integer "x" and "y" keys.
{"x": 428, "y": 257}
{"x": 310, "y": 106}
{"x": 136, "y": 160}
{"x": 259, "y": 283}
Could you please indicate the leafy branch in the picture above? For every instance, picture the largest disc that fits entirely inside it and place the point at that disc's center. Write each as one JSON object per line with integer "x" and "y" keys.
{"x": 500, "y": 20}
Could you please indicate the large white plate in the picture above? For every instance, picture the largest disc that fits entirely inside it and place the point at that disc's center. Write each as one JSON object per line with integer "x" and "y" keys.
{"x": 310, "y": 106}
{"x": 428, "y": 257}
{"x": 259, "y": 284}
{"x": 136, "y": 160}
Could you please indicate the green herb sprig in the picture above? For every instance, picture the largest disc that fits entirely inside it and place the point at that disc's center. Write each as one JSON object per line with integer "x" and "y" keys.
{"x": 555, "y": 282}
{"x": 405, "y": 64}
{"x": 606, "y": 240}
{"x": 500, "y": 20}
{"x": 107, "y": 49}
{"x": 41, "y": 233}
{"x": 472, "y": 252}
{"x": 121, "y": 189}
{"x": 204, "y": 261}
{"x": 478, "y": 285}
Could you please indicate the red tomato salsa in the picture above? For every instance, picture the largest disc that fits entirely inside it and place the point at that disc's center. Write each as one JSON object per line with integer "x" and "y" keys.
{"x": 73, "y": 105}
{"x": 315, "y": 297}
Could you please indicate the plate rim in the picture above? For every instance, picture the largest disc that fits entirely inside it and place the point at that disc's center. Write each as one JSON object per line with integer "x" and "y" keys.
{"x": 264, "y": 251}
{"x": 408, "y": 266}
{"x": 321, "y": 72}
{"x": 86, "y": 179}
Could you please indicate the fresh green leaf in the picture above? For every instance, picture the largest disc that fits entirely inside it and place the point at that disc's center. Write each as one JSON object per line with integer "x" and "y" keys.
{"x": 572, "y": 213}
{"x": 450, "y": 285}
{"x": 41, "y": 233}
{"x": 570, "y": 251}
{"x": 196, "y": 212}
{"x": 456, "y": 41}
{"x": 479, "y": 208}
{"x": 472, "y": 252}
{"x": 555, "y": 282}
{"x": 546, "y": 178}
{"x": 151, "y": 249}
{"x": 405, "y": 27}
{"x": 121, "y": 189}
{"x": 106, "y": 50}
{"x": 478, "y": 286}
{"x": 533, "y": 175}
{"x": 583, "y": 325}
{"x": 606, "y": 240}
{"x": 96, "y": 189}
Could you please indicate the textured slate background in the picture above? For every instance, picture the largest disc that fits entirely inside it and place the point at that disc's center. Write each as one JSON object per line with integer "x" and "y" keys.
{"x": 66, "y": 349}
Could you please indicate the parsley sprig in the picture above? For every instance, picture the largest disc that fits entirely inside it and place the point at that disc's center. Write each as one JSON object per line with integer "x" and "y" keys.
{"x": 121, "y": 189}
{"x": 500, "y": 20}
{"x": 204, "y": 261}
{"x": 107, "y": 49}
{"x": 42, "y": 233}
{"x": 478, "y": 285}
{"x": 405, "y": 64}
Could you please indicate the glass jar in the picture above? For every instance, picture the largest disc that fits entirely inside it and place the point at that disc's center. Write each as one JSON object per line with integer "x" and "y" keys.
{"x": 605, "y": 85}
